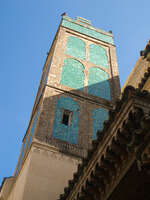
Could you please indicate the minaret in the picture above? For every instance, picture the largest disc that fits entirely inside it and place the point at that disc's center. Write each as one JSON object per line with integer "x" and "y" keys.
{"x": 78, "y": 87}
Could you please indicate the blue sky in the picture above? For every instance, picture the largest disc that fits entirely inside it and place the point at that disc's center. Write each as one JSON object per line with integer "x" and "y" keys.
{"x": 27, "y": 28}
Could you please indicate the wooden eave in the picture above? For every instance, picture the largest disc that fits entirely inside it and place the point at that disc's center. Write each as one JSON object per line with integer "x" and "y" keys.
{"x": 115, "y": 150}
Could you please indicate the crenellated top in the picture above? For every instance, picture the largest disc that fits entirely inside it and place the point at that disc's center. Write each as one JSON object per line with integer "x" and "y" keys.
{"x": 84, "y": 26}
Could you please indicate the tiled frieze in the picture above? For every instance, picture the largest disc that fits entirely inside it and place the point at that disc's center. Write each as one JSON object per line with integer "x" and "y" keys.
{"x": 87, "y": 31}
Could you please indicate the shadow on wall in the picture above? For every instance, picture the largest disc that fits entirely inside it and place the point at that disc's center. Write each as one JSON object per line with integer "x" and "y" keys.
{"x": 65, "y": 114}
{"x": 70, "y": 120}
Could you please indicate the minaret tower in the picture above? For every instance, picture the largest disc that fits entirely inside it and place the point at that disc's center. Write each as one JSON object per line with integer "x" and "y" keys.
{"x": 79, "y": 85}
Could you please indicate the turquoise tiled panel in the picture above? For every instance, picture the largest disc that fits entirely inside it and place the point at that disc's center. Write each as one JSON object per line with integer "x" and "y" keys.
{"x": 22, "y": 153}
{"x": 75, "y": 47}
{"x": 98, "y": 84}
{"x": 87, "y": 31}
{"x": 60, "y": 131}
{"x": 32, "y": 129}
{"x": 98, "y": 117}
{"x": 72, "y": 74}
{"x": 97, "y": 55}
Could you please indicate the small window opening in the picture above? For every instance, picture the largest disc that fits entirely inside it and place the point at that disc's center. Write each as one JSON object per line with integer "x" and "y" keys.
{"x": 66, "y": 117}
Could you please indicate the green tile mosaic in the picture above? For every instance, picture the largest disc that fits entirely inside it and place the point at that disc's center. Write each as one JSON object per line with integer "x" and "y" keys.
{"x": 67, "y": 133}
{"x": 75, "y": 47}
{"x": 72, "y": 74}
{"x": 98, "y": 117}
{"x": 98, "y": 84}
{"x": 97, "y": 55}
{"x": 87, "y": 31}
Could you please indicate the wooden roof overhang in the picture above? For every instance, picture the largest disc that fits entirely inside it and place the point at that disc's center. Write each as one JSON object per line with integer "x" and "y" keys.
{"x": 134, "y": 185}
{"x": 144, "y": 79}
{"x": 123, "y": 141}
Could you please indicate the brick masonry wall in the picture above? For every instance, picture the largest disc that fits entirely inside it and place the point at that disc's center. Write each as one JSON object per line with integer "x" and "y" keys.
{"x": 88, "y": 103}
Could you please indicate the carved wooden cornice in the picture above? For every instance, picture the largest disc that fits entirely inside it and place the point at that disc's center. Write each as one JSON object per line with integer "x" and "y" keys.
{"x": 124, "y": 138}
{"x": 144, "y": 79}
{"x": 146, "y": 52}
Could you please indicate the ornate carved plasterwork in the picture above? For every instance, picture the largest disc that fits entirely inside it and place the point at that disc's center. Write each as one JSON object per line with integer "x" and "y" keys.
{"x": 146, "y": 52}
{"x": 144, "y": 79}
{"x": 65, "y": 147}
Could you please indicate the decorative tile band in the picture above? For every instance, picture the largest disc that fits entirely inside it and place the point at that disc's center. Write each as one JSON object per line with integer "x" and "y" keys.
{"x": 87, "y": 31}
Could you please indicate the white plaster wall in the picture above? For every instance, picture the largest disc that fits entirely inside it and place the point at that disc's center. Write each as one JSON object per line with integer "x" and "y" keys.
{"x": 48, "y": 174}
{"x": 17, "y": 191}
{"x": 44, "y": 175}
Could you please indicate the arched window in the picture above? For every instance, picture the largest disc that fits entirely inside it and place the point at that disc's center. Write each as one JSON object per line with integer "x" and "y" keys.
{"x": 75, "y": 47}
{"x": 66, "y": 119}
{"x": 98, "y": 56}
{"x": 98, "y": 84}
{"x": 72, "y": 74}
{"x": 98, "y": 117}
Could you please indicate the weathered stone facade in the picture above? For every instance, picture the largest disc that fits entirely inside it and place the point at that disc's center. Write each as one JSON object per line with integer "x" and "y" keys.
{"x": 79, "y": 85}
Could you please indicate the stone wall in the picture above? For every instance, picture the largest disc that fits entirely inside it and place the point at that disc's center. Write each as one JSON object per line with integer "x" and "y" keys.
{"x": 80, "y": 76}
